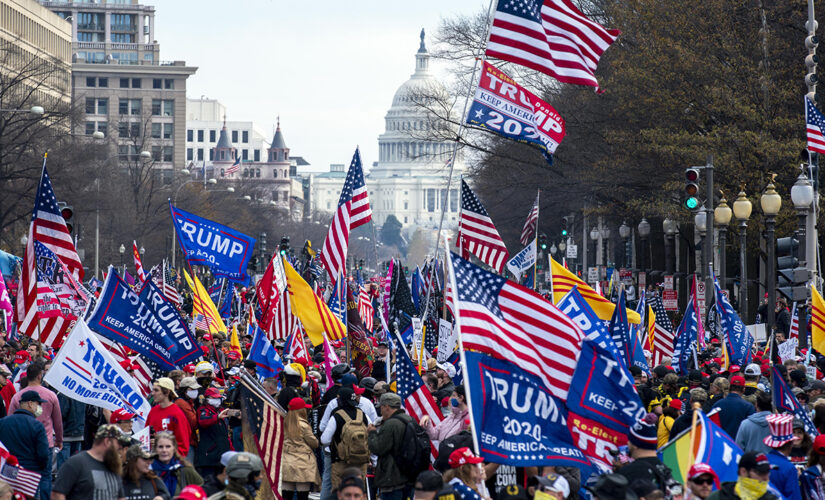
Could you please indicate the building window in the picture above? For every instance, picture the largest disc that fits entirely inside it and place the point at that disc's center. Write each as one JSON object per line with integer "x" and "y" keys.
{"x": 234, "y": 136}
{"x": 103, "y": 82}
{"x": 190, "y": 135}
{"x": 406, "y": 205}
{"x": 90, "y": 128}
{"x": 157, "y": 83}
{"x": 405, "y": 220}
{"x": 200, "y": 154}
{"x": 431, "y": 200}
{"x": 223, "y": 155}
{"x": 91, "y": 81}
{"x": 211, "y": 136}
{"x": 211, "y": 155}
{"x": 257, "y": 155}
{"x": 329, "y": 205}
{"x": 156, "y": 130}
{"x": 168, "y": 153}
{"x": 169, "y": 83}
{"x": 454, "y": 200}
{"x": 189, "y": 154}
{"x": 156, "y": 153}
{"x": 128, "y": 129}
{"x": 245, "y": 136}
{"x": 90, "y": 105}
{"x": 275, "y": 173}
{"x": 200, "y": 135}
{"x": 162, "y": 107}
{"x": 135, "y": 83}
{"x": 168, "y": 107}
{"x": 124, "y": 83}
{"x": 274, "y": 195}
{"x": 246, "y": 172}
{"x": 245, "y": 154}
{"x": 129, "y": 106}
{"x": 168, "y": 130}
{"x": 258, "y": 173}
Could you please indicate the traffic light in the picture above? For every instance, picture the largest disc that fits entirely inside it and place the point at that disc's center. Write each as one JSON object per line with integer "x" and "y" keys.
{"x": 66, "y": 211}
{"x": 691, "y": 188}
{"x": 361, "y": 264}
{"x": 543, "y": 241}
{"x": 262, "y": 243}
{"x": 790, "y": 278}
{"x": 564, "y": 226}
{"x": 283, "y": 248}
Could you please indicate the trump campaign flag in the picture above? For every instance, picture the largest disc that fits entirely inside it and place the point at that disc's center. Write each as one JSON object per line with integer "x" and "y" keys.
{"x": 784, "y": 400}
{"x": 85, "y": 371}
{"x": 737, "y": 338}
{"x": 267, "y": 361}
{"x": 523, "y": 260}
{"x": 206, "y": 243}
{"x": 516, "y": 418}
{"x": 504, "y": 107}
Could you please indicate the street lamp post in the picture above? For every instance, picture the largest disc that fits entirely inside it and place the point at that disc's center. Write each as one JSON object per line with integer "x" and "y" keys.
{"x": 802, "y": 196}
{"x": 771, "y": 202}
{"x": 604, "y": 232}
{"x": 721, "y": 216}
{"x": 700, "y": 221}
{"x": 644, "y": 232}
{"x": 594, "y": 235}
{"x": 122, "y": 251}
{"x": 742, "y": 208}
{"x": 624, "y": 232}
{"x": 669, "y": 227}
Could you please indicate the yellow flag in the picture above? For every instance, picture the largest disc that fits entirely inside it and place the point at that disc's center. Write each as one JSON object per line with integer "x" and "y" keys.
{"x": 564, "y": 281}
{"x": 234, "y": 342}
{"x": 817, "y": 320}
{"x": 202, "y": 304}
{"x": 314, "y": 314}
{"x": 651, "y": 326}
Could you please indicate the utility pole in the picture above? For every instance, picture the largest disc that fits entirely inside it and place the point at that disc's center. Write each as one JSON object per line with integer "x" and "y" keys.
{"x": 811, "y": 247}
{"x": 708, "y": 243}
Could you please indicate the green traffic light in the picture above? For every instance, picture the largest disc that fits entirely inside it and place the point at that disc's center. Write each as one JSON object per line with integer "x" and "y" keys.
{"x": 691, "y": 203}
{"x": 544, "y": 246}
{"x": 564, "y": 232}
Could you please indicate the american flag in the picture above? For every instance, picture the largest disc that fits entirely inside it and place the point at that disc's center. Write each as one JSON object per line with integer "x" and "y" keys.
{"x": 21, "y": 480}
{"x": 794, "y": 332}
{"x": 550, "y": 36}
{"x": 365, "y": 309}
{"x": 143, "y": 372}
{"x": 294, "y": 347}
{"x": 138, "y": 264}
{"x": 201, "y": 322}
{"x": 235, "y": 167}
{"x": 277, "y": 319}
{"x": 414, "y": 393}
{"x": 266, "y": 422}
{"x": 477, "y": 234}
{"x": 49, "y": 230}
{"x": 508, "y": 321}
{"x": 663, "y": 335}
{"x": 338, "y": 299}
{"x": 168, "y": 287}
{"x": 531, "y": 223}
{"x": 285, "y": 323}
{"x": 815, "y": 122}
{"x": 353, "y": 211}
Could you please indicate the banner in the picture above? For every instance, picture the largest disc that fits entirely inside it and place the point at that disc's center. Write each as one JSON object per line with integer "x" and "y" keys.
{"x": 576, "y": 307}
{"x": 516, "y": 419}
{"x": 144, "y": 322}
{"x": 602, "y": 403}
{"x": 523, "y": 260}
{"x": 205, "y": 243}
{"x": 685, "y": 346}
{"x": 504, "y": 107}
{"x": 711, "y": 445}
{"x": 85, "y": 371}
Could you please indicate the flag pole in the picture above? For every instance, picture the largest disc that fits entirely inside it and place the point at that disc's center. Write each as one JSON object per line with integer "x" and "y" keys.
{"x": 536, "y": 240}
{"x": 692, "y": 456}
{"x": 464, "y": 370}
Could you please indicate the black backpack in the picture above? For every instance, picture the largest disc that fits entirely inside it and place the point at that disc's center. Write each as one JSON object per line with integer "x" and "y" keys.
{"x": 413, "y": 456}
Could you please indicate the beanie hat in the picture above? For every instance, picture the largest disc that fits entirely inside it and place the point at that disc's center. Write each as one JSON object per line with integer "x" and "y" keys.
{"x": 643, "y": 435}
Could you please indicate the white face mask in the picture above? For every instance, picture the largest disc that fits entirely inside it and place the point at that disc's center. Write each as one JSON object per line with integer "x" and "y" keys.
{"x": 192, "y": 393}
{"x": 38, "y": 411}
{"x": 214, "y": 402}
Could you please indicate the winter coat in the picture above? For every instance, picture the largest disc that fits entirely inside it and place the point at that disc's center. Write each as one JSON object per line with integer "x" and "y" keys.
{"x": 385, "y": 442}
{"x": 188, "y": 410}
{"x": 298, "y": 461}
{"x": 449, "y": 426}
{"x": 733, "y": 411}
{"x": 214, "y": 437}
{"x": 753, "y": 431}
{"x": 74, "y": 416}
{"x": 25, "y": 438}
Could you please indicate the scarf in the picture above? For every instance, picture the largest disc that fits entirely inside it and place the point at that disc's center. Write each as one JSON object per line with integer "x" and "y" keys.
{"x": 169, "y": 476}
{"x": 750, "y": 489}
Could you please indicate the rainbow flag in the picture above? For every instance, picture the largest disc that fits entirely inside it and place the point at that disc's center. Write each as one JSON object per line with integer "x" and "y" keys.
{"x": 711, "y": 445}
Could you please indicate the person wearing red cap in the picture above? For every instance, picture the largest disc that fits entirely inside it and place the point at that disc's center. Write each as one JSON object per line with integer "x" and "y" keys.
{"x": 213, "y": 433}
{"x": 299, "y": 469}
{"x": 466, "y": 475}
{"x": 122, "y": 419}
{"x": 734, "y": 409}
{"x": 811, "y": 479}
{"x": 752, "y": 483}
{"x": 669, "y": 415}
{"x": 701, "y": 480}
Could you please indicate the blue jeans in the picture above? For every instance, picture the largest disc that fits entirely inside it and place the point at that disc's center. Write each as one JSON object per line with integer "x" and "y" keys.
{"x": 326, "y": 480}
{"x": 69, "y": 449}
{"x": 399, "y": 494}
{"x": 44, "y": 489}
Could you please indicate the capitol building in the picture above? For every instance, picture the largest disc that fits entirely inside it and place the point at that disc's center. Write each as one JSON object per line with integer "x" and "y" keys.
{"x": 409, "y": 180}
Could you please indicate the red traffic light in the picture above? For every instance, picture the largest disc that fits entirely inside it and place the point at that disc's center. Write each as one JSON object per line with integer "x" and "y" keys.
{"x": 691, "y": 174}
{"x": 66, "y": 213}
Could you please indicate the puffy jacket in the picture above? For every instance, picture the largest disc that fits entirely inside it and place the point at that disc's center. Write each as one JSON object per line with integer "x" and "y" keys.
{"x": 385, "y": 442}
{"x": 25, "y": 438}
{"x": 752, "y": 432}
{"x": 74, "y": 416}
{"x": 299, "y": 465}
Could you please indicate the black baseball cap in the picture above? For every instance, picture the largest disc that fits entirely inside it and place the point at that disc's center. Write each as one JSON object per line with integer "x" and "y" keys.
{"x": 31, "y": 395}
{"x": 348, "y": 481}
{"x": 429, "y": 480}
{"x": 755, "y": 461}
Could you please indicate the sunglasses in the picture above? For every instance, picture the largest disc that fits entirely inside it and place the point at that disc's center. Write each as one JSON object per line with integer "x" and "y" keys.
{"x": 700, "y": 481}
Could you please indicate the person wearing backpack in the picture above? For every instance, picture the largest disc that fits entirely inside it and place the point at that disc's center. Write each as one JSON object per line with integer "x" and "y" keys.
{"x": 346, "y": 436}
{"x": 393, "y": 477}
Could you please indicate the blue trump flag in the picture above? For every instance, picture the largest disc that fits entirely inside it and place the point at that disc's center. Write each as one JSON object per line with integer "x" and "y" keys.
{"x": 685, "y": 345}
{"x": 517, "y": 420}
{"x": 784, "y": 400}
{"x": 267, "y": 361}
{"x": 206, "y": 243}
{"x": 738, "y": 339}
{"x": 620, "y": 330}
{"x": 416, "y": 288}
{"x": 637, "y": 350}
{"x": 129, "y": 318}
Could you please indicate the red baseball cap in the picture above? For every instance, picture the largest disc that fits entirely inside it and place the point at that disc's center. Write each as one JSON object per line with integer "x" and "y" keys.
{"x": 212, "y": 393}
{"x": 233, "y": 355}
{"x": 734, "y": 368}
{"x": 120, "y": 415}
{"x": 676, "y": 403}
{"x": 207, "y": 336}
{"x": 698, "y": 469}
{"x": 358, "y": 390}
{"x": 737, "y": 380}
{"x": 463, "y": 456}
{"x": 21, "y": 357}
{"x": 298, "y": 403}
{"x": 192, "y": 492}
{"x": 190, "y": 368}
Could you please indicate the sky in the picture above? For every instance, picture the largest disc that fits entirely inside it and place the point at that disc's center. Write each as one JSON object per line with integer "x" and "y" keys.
{"x": 328, "y": 68}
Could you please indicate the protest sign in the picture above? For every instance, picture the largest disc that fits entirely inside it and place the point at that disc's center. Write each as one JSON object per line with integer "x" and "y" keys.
{"x": 446, "y": 340}
{"x": 523, "y": 260}
{"x": 787, "y": 349}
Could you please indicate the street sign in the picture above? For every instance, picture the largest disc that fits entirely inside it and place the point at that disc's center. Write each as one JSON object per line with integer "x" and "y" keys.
{"x": 572, "y": 251}
{"x": 642, "y": 280}
{"x": 700, "y": 297}
{"x": 625, "y": 274}
{"x": 669, "y": 282}
{"x": 670, "y": 299}
{"x": 592, "y": 275}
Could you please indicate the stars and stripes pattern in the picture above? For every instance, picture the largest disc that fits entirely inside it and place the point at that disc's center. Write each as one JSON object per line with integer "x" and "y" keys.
{"x": 285, "y": 323}
{"x": 663, "y": 335}
{"x": 477, "y": 234}
{"x": 530, "y": 224}
{"x": 235, "y": 167}
{"x": 294, "y": 347}
{"x": 365, "y": 309}
{"x": 49, "y": 233}
{"x": 21, "y": 480}
{"x": 508, "y": 321}
{"x": 169, "y": 289}
{"x": 201, "y": 322}
{"x": 414, "y": 393}
{"x": 143, "y": 372}
{"x": 794, "y": 331}
{"x": 550, "y": 36}
{"x": 266, "y": 422}
{"x": 138, "y": 264}
{"x": 815, "y": 123}
{"x": 353, "y": 211}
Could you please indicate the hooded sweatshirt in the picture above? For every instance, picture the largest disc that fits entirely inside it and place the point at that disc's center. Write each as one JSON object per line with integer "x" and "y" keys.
{"x": 753, "y": 431}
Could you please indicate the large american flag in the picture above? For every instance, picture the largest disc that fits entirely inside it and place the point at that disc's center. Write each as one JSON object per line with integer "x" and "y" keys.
{"x": 476, "y": 232}
{"x": 168, "y": 287}
{"x": 551, "y": 36}
{"x": 794, "y": 332}
{"x": 266, "y": 421}
{"x": 663, "y": 335}
{"x": 21, "y": 480}
{"x": 365, "y": 309}
{"x": 531, "y": 223}
{"x": 414, "y": 393}
{"x": 235, "y": 167}
{"x": 353, "y": 211}
{"x": 48, "y": 229}
{"x": 815, "y": 122}
{"x": 508, "y": 321}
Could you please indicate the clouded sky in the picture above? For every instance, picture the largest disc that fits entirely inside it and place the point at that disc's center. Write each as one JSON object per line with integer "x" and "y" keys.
{"x": 328, "y": 68}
